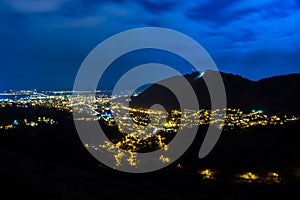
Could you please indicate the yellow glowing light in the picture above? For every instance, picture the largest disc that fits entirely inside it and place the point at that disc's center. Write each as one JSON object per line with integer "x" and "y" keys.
{"x": 207, "y": 174}
{"x": 273, "y": 177}
{"x": 179, "y": 166}
{"x": 164, "y": 159}
{"x": 249, "y": 176}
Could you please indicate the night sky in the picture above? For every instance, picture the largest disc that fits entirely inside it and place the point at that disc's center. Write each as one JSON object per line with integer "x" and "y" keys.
{"x": 43, "y": 43}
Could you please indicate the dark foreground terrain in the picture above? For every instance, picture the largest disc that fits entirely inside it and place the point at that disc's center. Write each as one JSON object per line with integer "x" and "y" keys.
{"x": 50, "y": 162}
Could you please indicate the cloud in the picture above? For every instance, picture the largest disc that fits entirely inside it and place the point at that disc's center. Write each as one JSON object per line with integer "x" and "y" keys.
{"x": 157, "y": 6}
{"x": 213, "y": 11}
{"x": 220, "y": 13}
{"x": 253, "y": 38}
{"x": 35, "y": 5}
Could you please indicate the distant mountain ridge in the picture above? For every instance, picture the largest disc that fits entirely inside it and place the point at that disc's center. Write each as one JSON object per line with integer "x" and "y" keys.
{"x": 278, "y": 94}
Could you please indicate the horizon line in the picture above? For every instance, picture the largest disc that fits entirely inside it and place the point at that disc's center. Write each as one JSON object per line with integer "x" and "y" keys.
{"x": 110, "y": 89}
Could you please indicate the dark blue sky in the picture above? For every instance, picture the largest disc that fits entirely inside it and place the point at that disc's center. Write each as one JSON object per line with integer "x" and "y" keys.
{"x": 43, "y": 43}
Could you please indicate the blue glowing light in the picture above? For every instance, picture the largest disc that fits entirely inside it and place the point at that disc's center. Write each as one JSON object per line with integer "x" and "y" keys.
{"x": 200, "y": 75}
{"x": 16, "y": 123}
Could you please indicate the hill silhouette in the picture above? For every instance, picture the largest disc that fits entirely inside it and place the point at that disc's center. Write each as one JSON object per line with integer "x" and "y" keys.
{"x": 279, "y": 94}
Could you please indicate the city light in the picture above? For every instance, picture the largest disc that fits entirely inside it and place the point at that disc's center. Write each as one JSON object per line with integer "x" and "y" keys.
{"x": 207, "y": 174}
{"x": 139, "y": 128}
